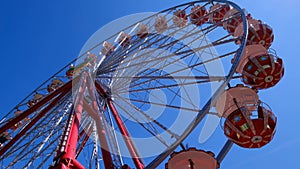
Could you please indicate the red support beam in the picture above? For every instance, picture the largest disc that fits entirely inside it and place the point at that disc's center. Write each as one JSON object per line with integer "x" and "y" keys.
{"x": 60, "y": 150}
{"x": 101, "y": 90}
{"x": 35, "y": 107}
{"x": 101, "y": 135}
{"x": 84, "y": 141}
{"x": 68, "y": 159}
{"x": 126, "y": 136}
{"x": 81, "y": 134}
{"x": 92, "y": 93}
{"x": 106, "y": 155}
{"x": 66, "y": 89}
{"x": 93, "y": 111}
{"x": 90, "y": 110}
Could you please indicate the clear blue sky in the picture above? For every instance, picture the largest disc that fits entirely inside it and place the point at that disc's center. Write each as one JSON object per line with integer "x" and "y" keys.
{"x": 38, "y": 37}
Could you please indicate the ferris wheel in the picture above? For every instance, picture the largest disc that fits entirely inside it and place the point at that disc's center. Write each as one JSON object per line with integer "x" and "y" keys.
{"x": 142, "y": 85}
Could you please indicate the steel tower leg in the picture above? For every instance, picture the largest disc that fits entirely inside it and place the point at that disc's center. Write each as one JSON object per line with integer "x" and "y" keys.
{"x": 68, "y": 158}
{"x": 126, "y": 136}
{"x": 107, "y": 159}
{"x": 94, "y": 112}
